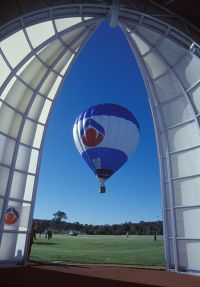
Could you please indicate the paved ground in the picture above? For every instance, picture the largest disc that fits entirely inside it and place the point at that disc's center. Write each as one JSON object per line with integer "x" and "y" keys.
{"x": 55, "y": 275}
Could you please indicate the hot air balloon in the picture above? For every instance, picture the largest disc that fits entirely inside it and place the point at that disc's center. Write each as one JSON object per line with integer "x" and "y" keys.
{"x": 106, "y": 135}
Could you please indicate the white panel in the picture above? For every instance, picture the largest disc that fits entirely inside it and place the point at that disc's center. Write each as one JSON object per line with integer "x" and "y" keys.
{"x": 165, "y": 170}
{"x": 167, "y": 196}
{"x": 169, "y": 226}
{"x": 5, "y": 69}
{"x": 68, "y": 37}
{"x": 7, "y": 89}
{"x": 29, "y": 187}
{"x": 189, "y": 254}
{"x": 187, "y": 222}
{"x": 141, "y": 45}
{"x": 28, "y": 133}
{"x": 177, "y": 112}
{"x": 63, "y": 61}
{"x": 36, "y": 108}
{"x": 24, "y": 217}
{"x": 189, "y": 71}
{"x": 13, "y": 216}
{"x": 45, "y": 112}
{"x": 33, "y": 161}
{"x": 22, "y": 186}
{"x": 186, "y": 191}
{"x": 25, "y": 65}
{"x": 6, "y": 150}
{"x": 151, "y": 36}
{"x": 154, "y": 65}
{"x": 23, "y": 158}
{"x": 4, "y": 174}
{"x": 38, "y": 136}
{"x": 22, "y": 210}
{"x": 40, "y": 109}
{"x": 15, "y": 48}
{"x": 54, "y": 89}
{"x": 20, "y": 245}
{"x": 88, "y": 18}
{"x": 47, "y": 85}
{"x": 163, "y": 144}
{"x": 34, "y": 73}
{"x": 171, "y": 254}
{"x": 40, "y": 32}
{"x": 62, "y": 24}
{"x": 18, "y": 185}
{"x": 171, "y": 51}
{"x": 183, "y": 136}
{"x": 186, "y": 163}
{"x": 51, "y": 52}
{"x": 8, "y": 245}
{"x": 167, "y": 88}
{"x": 79, "y": 42}
{"x": 67, "y": 66}
{"x": 19, "y": 96}
{"x": 195, "y": 99}
{"x": 9, "y": 121}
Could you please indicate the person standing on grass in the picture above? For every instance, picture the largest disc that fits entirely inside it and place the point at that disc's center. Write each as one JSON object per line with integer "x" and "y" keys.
{"x": 32, "y": 238}
{"x": 49, "y": 234}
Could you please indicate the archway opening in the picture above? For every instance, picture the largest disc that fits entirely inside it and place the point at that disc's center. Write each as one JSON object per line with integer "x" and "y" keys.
{"x": 105, "y": 71}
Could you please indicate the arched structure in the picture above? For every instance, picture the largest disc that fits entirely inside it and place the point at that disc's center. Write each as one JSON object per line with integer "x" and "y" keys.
{"x": 37, "y": 50}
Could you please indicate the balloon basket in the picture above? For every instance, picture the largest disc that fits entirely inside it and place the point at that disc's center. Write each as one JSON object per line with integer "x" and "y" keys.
{"x": 102, "y": 189}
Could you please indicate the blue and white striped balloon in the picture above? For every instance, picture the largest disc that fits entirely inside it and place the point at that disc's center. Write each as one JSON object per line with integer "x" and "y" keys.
{"x": 106, "y": 135}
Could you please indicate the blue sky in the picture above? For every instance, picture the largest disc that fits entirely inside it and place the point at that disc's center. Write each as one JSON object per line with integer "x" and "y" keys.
{"x": 105, "y": 71}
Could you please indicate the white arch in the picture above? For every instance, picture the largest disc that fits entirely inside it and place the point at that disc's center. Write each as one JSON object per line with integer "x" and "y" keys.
{"x": 167, "y": 69}
{"x": 29, "y": 86}
{"x": 37, "y": 57}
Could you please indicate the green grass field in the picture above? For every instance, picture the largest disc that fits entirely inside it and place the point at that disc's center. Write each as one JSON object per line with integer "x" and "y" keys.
{"x": 134, "y": 250}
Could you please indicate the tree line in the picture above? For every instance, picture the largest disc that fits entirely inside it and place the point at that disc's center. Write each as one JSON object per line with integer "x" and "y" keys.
{"x": 58, "y": 225}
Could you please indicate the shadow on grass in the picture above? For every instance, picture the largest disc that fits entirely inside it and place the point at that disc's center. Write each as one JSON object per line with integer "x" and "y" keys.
{"x": 46, "y": 243}
{"x": 33, "y": 262}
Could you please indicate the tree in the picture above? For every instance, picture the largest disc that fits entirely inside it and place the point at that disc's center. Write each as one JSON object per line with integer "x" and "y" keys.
{"x": 59, "y": 215}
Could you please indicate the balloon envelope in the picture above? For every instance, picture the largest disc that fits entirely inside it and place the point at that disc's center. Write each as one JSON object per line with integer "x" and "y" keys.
{"x": 106, "y": 135}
